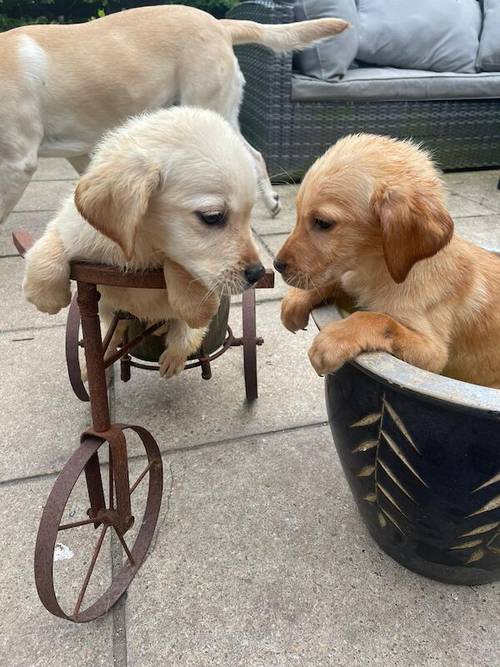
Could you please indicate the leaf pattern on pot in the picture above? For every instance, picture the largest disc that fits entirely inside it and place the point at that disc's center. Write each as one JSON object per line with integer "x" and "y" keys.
{"x": 487, "y": 534}
{"x": 389, "y": 494}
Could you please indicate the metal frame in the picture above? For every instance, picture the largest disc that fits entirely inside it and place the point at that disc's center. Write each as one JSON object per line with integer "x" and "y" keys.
{"x": 110, "y": 505}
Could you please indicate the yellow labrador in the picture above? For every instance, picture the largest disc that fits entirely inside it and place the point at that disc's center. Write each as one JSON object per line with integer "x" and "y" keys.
{"x": 172, "y": 189}
{"x": 63, "y": 86}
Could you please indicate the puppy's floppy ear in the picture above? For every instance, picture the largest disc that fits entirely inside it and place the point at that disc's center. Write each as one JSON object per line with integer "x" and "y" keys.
{"x": 414, "y": 225}
{"x": 113, "y": 195}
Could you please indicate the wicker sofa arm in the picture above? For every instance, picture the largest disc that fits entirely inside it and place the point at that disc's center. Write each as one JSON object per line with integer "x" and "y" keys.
{"x": 268, "y": 86}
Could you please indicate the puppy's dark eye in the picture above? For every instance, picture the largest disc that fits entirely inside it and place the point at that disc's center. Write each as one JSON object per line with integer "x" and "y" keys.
{"x": 319, "y": 223}
{"x": 212, "y": 217}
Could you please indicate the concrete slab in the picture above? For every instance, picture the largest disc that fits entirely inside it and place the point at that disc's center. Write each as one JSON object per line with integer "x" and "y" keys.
{"x": 41, "y": 418}
{"x": 29, "y": 635}
{"x": 45, "y": 195}
{"x": 33, "y": 222}
{"x": 186, "y": 411}
{"x": 54, "y": 169}
{"x": 479, "y": 186}
{"x": 483, "y": 230}
{"x": 15, "y": 312}
{"x": 263, "y": 224}
{"x": 261, "y": 559}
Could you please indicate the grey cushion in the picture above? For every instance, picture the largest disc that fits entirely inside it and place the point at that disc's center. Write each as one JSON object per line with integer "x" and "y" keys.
{"x": 438, "y": 35}
{"x": 489, "y": 46}
{"x": 389, "y": 83}
{"x": 329, "y": 58}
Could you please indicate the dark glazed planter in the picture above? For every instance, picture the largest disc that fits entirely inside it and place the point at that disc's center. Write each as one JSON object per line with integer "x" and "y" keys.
{"x": 421, "y": 454}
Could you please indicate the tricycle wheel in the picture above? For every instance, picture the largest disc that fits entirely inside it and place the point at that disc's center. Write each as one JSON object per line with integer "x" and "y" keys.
{"x": 81, "y": 578}
{"x": 249, "y": 344}
{"x": 74, "y": 347}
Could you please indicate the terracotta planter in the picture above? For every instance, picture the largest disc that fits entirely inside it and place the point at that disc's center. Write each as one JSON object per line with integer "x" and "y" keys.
{"x": 152, "y": 347}
{"x": 422, "y": 456}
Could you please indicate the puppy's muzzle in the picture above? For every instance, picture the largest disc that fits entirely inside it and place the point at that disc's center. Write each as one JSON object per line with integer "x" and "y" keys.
{"x": 254, "y": 272}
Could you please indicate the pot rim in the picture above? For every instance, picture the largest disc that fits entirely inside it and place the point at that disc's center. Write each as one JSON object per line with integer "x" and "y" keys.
{"x": 428, "y": 386}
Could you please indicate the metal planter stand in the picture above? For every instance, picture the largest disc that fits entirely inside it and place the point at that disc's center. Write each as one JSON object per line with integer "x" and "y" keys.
{"x": 110, "y": 501}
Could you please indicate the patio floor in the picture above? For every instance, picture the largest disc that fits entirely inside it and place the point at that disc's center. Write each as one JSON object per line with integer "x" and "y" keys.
{"x": 260, "y": 558}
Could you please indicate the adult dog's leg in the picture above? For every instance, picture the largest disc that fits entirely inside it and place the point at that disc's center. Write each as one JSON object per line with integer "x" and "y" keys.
{"x": 341, "y": 341}
{"x": 20, "y": 136}
{"x": 222, "y": 90}
{"x": 79, "y": 163}
{"x": 46, "y": 281}
{"x": 180, "y": 342}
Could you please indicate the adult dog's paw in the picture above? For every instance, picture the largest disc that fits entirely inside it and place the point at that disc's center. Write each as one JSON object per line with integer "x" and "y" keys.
{"x": 294, "y": 311}
{"x": 331, "y": 348}
{"x": 171, "y": 363}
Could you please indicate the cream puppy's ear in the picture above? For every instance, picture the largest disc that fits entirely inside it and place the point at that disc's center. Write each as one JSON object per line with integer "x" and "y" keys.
{"x": 114, "y": 194}
{"x": 190, "y": 300}
{"x": 414, "y": 225}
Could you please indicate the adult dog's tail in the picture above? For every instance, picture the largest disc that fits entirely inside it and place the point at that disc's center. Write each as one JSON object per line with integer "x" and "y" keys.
{"x": 283, "y": 37}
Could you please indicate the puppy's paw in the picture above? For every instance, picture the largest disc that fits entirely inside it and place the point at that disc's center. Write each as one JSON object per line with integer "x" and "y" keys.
{"x": 171, "y": 363}
{"x": 47, "y": 298}
{"x": 294, "y": 311}
{"x": 331, "y": 348}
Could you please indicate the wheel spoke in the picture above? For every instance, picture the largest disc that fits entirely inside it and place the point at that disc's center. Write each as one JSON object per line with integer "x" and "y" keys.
{"x": 141, "y": 477}
{"x": 85, "y": 522}
{"x": 125, "y": 547}
{"x": 111, "y": 485}
{"x": 90, "y": 570}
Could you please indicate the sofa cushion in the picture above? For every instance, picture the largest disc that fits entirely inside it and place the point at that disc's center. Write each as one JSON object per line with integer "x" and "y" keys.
{"x": 438, "y": 35}
{"x": 489, "y": 45}
{"x": 330, "y": 58}
{"x": 389, "y": 83}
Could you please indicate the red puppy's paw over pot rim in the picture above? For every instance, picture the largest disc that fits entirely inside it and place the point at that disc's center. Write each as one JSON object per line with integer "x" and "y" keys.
{"x": 421, "y": 453}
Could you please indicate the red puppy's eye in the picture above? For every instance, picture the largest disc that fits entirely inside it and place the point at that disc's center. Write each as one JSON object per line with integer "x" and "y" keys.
{"x": 319, "y": 223}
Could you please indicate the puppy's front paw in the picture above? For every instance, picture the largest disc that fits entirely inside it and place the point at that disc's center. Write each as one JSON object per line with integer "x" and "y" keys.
{"x": 331, "y": 348}
{"x": 48, "y": 299}
{"x": 171, "y": 363}
{"x": 294, "y": 312}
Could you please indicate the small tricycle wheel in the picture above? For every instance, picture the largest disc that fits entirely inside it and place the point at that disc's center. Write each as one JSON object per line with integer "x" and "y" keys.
{"x": 85, "y": 461}
{"x": 249, "y": 344}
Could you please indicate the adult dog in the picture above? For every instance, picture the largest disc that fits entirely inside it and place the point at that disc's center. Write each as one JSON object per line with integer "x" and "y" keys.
{"x": 63, "y": 86}
{"x": 372, "y": 224}
{"x": 172, "y": 189}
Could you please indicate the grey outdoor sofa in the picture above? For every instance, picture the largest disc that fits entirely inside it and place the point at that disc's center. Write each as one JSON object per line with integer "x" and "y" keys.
{"x": 292, "y": 118}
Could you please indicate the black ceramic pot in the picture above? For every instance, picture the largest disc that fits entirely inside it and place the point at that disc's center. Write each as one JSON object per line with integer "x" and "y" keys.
{"x": 421, "y": 454}
{"x": 152, "y": 347}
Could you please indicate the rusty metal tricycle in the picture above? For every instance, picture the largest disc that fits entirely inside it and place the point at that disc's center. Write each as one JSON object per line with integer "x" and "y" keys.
{"x": 102, "y": 464}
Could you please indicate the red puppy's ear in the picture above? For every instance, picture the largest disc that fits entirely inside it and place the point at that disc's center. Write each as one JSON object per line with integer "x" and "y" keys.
{"x": 414, "y": 225}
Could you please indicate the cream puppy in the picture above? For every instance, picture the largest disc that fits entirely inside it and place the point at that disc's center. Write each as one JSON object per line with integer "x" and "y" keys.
{"x": 63, "y": 86}
{"x": 172, "y": 189}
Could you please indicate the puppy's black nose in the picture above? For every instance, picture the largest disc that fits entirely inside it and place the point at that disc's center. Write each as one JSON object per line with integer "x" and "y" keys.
{"x": 254, "y": 272}
{"x": 279, "y": 265}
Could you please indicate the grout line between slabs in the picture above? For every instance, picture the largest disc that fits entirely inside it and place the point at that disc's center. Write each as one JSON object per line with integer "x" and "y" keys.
{"x": 181, "y": 449}
{"x": 34, "y": 328}
{"x": 119, "y": 610}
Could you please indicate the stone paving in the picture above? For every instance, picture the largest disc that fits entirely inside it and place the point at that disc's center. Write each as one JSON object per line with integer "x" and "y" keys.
{"x": 260, "y": 558}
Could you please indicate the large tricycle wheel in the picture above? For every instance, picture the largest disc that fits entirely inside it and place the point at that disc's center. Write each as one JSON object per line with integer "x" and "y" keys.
{"x": 87, "y": 542}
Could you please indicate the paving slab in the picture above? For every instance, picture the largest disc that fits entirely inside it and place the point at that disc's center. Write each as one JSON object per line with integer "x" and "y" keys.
{"x": 54, "y": 169}
{"x": 41, "y": 418}
{"x": 33, "y": 222}
{"x": 479, "y": 186}
{"x": 261, "y": 559}
{"x": 29, "y": 635}
{"x": 261, "y": 221}
{"x": 186, "y": 410}
{"x": 45, "y": 195}
{"x": 15, "y": 312}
